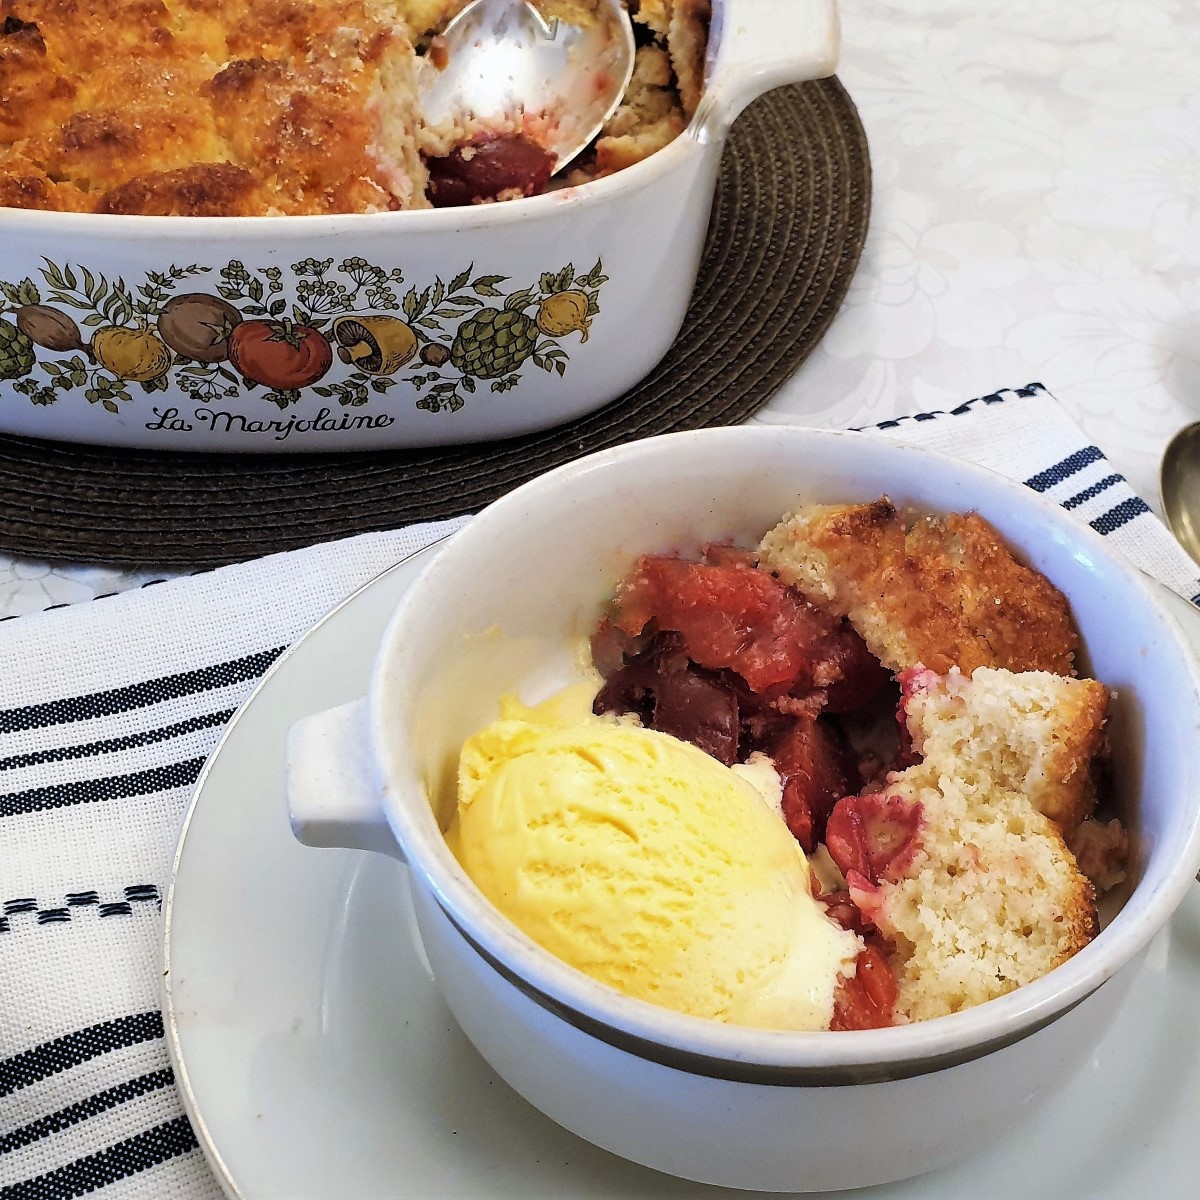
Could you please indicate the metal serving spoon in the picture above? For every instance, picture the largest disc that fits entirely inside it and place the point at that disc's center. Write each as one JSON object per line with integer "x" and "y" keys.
{"x": 500, "y": 57}
{"x": 1179, "y": 487}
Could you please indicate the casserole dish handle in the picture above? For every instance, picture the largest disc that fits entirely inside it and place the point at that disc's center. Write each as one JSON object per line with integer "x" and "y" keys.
{"x": 763, "y": 44}
{"x": 333, "y": 798}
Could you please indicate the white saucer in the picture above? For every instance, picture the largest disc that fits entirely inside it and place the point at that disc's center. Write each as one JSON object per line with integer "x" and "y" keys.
{"x": 316, "y": 1059}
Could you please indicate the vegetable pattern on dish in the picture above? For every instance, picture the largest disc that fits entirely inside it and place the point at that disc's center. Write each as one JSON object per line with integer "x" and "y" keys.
{"x": 347, "y": 333}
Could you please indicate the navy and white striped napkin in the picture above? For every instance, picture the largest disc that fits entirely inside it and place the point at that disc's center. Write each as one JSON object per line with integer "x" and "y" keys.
{"x": 107, "y": 712}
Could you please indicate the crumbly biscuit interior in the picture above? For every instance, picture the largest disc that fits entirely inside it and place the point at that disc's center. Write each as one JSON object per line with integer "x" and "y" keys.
{"x": 995, "y": 898}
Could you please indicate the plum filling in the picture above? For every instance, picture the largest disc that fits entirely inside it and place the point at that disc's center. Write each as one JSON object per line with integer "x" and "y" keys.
{"x": 488, "y": 169}
{"x": 868, "y": 1000}
{"x": 659, "y": 684}
{"x": 817, "y": 768}
{"x": 732, "y": 615}
{"x": 727, "y": 657}
{"x": 875, "y": 837}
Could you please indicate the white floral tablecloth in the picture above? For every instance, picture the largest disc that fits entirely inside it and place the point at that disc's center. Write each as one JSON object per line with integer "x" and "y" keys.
{"x": 1036, "y": 216}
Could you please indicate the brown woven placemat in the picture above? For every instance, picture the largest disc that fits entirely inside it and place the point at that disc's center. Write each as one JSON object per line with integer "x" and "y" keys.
{"x": 787, "y": 228}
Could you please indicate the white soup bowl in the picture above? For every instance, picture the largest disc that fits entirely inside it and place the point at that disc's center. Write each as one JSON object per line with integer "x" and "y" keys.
{"x": 502, "y": 608}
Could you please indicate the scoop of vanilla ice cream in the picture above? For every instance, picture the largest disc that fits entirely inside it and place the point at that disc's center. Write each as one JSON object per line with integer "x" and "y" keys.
{"x": 645, "y": 862}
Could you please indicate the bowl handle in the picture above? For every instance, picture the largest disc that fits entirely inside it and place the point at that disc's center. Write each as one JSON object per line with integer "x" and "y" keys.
{"x": 763, "y": 44}
{"x": 333, "y": 797}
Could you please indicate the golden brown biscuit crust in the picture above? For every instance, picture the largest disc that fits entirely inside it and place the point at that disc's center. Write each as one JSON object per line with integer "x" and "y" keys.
{"x": 1020, "y": 615}
{"x": 947, "y": 593}
{"x": 208, "y": 190}
{"x": 196, "y": 107}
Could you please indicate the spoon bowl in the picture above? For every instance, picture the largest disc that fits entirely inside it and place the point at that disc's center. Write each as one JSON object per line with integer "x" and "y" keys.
{"x": 1179, "y": 487}
{"x": 501, "y": 60}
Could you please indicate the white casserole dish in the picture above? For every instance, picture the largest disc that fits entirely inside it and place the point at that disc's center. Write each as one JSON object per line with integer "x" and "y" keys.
{"x": 736, "y": 1106}
{"x": 421, "y": 328}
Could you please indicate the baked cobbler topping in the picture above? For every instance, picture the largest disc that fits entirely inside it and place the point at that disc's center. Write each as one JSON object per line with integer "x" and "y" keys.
{"x": 286, "y": 107}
